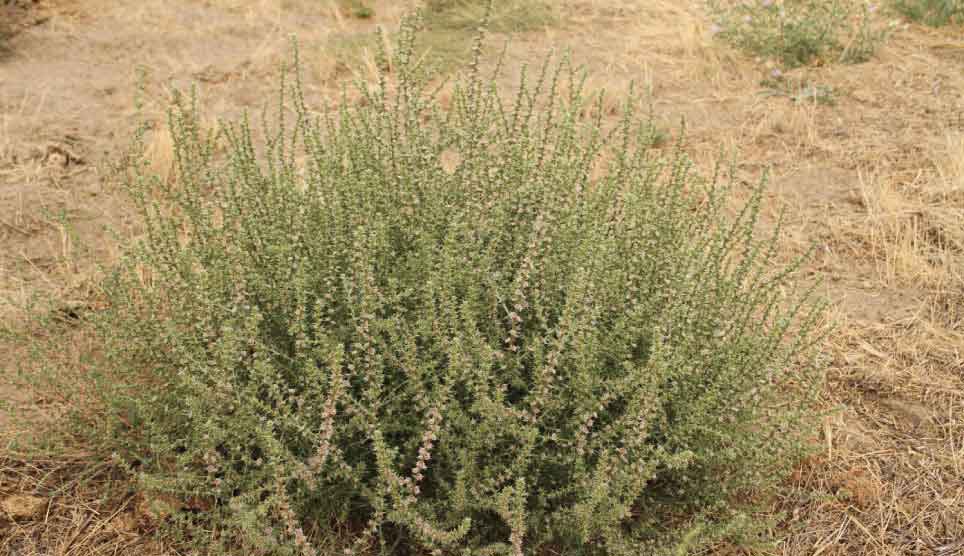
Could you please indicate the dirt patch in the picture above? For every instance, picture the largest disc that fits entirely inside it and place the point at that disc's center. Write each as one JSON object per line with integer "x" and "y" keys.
{"x": 18, "y": 507}
{"x": 16, "y": 15}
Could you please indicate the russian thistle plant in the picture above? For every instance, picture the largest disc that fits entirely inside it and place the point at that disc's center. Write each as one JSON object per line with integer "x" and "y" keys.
{"x": 565, "y": 341}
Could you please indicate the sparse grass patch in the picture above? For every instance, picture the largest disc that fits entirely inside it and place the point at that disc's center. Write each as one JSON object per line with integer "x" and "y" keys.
{"x": 356, "y": 55}
{"x": 445, "y": 38}
{"x": 911, "y": 232}
{"x": 800, "y": 32}
{"x": 360, "y": 9}
{"x": 440, "y": 334}
{"x": 798, "y": 90}
{"x": 450, "y": 25}
{"x": 935, "y": 13}
{"x": 505, "y": 16}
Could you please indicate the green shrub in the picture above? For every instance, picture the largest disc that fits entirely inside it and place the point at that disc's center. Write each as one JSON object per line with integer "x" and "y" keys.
{"x": 502, "y": 357}
{"x": 932, "y": 12}
{"x": 800, "y": 32}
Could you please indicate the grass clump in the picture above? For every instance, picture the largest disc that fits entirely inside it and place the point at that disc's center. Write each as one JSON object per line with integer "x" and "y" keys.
{"x": 800, "y": 32}
{"x": 357, "y": 8}
{"x": 935, "y": 13}
{"x": 340, "y": 337}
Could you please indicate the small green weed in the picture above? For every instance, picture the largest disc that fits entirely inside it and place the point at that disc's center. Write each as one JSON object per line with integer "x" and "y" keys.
{"x": 357, "y": 8}
{"x": 800, "y": 32}
{"x": 935, "y": 13}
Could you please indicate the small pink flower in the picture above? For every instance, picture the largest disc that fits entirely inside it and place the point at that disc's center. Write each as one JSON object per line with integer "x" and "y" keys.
{"x": 715, "y": 29}
{"x": 776, "y": 73}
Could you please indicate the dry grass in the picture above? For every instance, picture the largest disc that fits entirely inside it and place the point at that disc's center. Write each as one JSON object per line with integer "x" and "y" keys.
{"x": 875, "y": 179}
{"x": 68, "y": 505}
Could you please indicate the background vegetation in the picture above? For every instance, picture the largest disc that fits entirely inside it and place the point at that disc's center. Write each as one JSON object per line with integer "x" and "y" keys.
{"x": 932, "y": 12}
{"x": 800, "y": 32}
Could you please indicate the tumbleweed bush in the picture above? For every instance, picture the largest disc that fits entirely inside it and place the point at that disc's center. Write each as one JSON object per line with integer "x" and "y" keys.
{"x": 334, "y": 335}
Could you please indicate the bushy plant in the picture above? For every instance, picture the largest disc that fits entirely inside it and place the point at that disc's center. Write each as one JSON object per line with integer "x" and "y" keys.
{"x": 932, "y": 12}
{"x": 503, "y": 354}
{"x": 800, "y": 32}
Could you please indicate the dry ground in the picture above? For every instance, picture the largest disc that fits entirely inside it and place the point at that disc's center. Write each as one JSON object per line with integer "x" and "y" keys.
{"x": 868, "y": 160}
